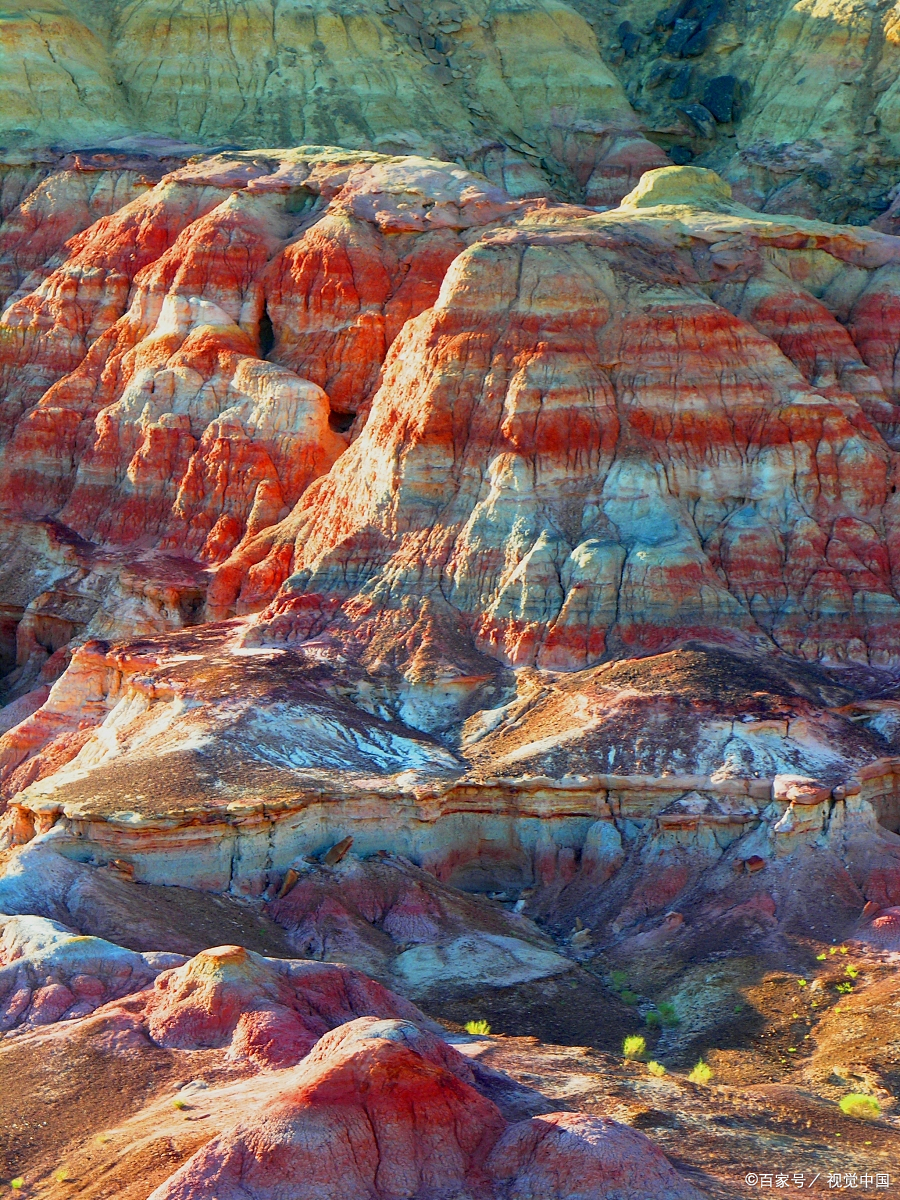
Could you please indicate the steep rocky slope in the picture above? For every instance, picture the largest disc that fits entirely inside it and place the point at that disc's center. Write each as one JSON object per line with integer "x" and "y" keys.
{"x": 446, "y": 454}
{"x": 443, "y": 540}
{"x": 795, "y": 103}
{"x": 521, "y": 90}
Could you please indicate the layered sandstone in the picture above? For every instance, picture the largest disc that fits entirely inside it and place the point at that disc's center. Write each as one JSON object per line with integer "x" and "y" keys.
{"x": 796, "y": 103}
{"x": 578, "y": 437}
{"x": 559, "y": 447}
{"x": 380, "y": 1106}
{"x": 522, "y": 93}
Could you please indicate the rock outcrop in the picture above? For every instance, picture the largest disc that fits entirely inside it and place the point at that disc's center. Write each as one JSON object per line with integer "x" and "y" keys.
{"x": 521, "y": 93}
{"x": 576, "y": 438}
{"x": 380, "y": 1108}
{"x": 559, "y": 443}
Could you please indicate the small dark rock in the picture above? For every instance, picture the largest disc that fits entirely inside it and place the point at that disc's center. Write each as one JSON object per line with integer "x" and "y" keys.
{"x": 681, "y": 85}
{"x": 681, "y": 35}
{"x": 713, "y": 15}
{"x": 439, "y": 74}
{"x": 405, "y": 24}
{"x": 681, "y": 155}
{"x": 697, "y": 44}
{"x": 659, "y": 73}
{"x": 718, "y": 97}
{"x": 701, "y": 118}
{"x": 821, "y": 177}
{"x": 629, "y": 38}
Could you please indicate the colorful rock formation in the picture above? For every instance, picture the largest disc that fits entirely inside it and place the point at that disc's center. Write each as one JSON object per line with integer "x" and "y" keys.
{"x": 518, "y": 92}
{"x": 380, "y": 1108}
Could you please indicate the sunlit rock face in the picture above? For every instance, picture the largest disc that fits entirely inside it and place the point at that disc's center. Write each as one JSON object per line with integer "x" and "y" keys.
{"x": 611, "y": 431}
{"x": 480, "y": 530}
{"x": 178, "y": 372}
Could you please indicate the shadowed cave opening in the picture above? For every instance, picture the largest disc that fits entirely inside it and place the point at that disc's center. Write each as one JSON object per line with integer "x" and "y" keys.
{"x": 340, "y": 422}
{"x": 266, "y": 333}
{"x": 887, "y": 811}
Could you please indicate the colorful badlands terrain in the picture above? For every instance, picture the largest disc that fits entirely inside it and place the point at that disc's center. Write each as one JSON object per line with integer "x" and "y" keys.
{"x": 451, "y": 568}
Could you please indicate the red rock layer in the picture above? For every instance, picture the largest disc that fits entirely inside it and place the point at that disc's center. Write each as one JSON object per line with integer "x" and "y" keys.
{"x": 581, "y": 453}
{"x": 381, "y": 1109}
{"x": 268, "y": 1011}
{"x": 137, "y": 408}
{"x": 78, "y": 191}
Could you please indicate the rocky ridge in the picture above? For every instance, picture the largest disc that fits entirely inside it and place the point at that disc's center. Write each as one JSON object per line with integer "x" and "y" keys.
{"x": 463, "y": 555}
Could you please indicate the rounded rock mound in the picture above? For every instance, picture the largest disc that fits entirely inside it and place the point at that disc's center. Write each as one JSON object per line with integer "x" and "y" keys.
{"x": 693, "y": 187}
{"x": 381, "y": 1109}
{"x": 270, "y": 1011}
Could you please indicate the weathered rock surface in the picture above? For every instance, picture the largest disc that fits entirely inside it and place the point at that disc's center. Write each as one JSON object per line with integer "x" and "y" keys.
{"x": 561, "y": 449}
{"x": 578, "y": 438}
{"x": 797, "y": 104}
{"x": 518, "y": 91}
{"x": 379, "y": 1107}
{"x": 49, "y": 974}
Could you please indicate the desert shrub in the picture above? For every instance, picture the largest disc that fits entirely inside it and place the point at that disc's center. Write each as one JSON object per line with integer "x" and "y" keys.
{"x": 652, "y": 1019}
{"x": 179, "y": 1103}
{"x": 667, "y": 1013}
{"x": 866, "y": 1108}
{"x": 477, "y": 1027}
{"x": 634, "y": 1046}
{"x": 843, "y": 988}
{"x": 656, "y": 1069}
{"x": 629, "y": 997}
{"x": 851, "y": 970}
{"x": 702, "y": 1073}
{"x": 619, "y": 979}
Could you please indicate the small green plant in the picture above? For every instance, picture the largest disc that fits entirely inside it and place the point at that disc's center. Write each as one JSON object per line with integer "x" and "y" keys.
{"x": 656, "y": 1069}
{"x": 477, "y": 1027}
{"x": 833, "y": 950}
{"x": 866, "y": 1108}
{"x": 843, "y": 988}
{"x": 17, "y": 1183}
{"x": 653, "y": 1020}
{"x": 667, "y": 1013}
{"x": 844, "y": 949}
{"x": 62, "y": 1175}
{"x": 634, "y": 1046}
{"x": 629, "y": 997}
{"x": 851, "y": 970}
{"x": 180, "y": 1104}
{"x": 619, "y": 979}
{"x": 801, "y": 983}
{"x": 821, "y": 957}
{"x": 702, "y": 1073}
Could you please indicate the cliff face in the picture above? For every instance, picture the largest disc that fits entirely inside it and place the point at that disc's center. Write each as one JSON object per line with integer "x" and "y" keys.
{"x": 797, "y": 104}
{"x": 674, "y": 419}
{"x": 440, "y": 438}
{"x": 457, "y": 518}
{"x": 445, "y": 80}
